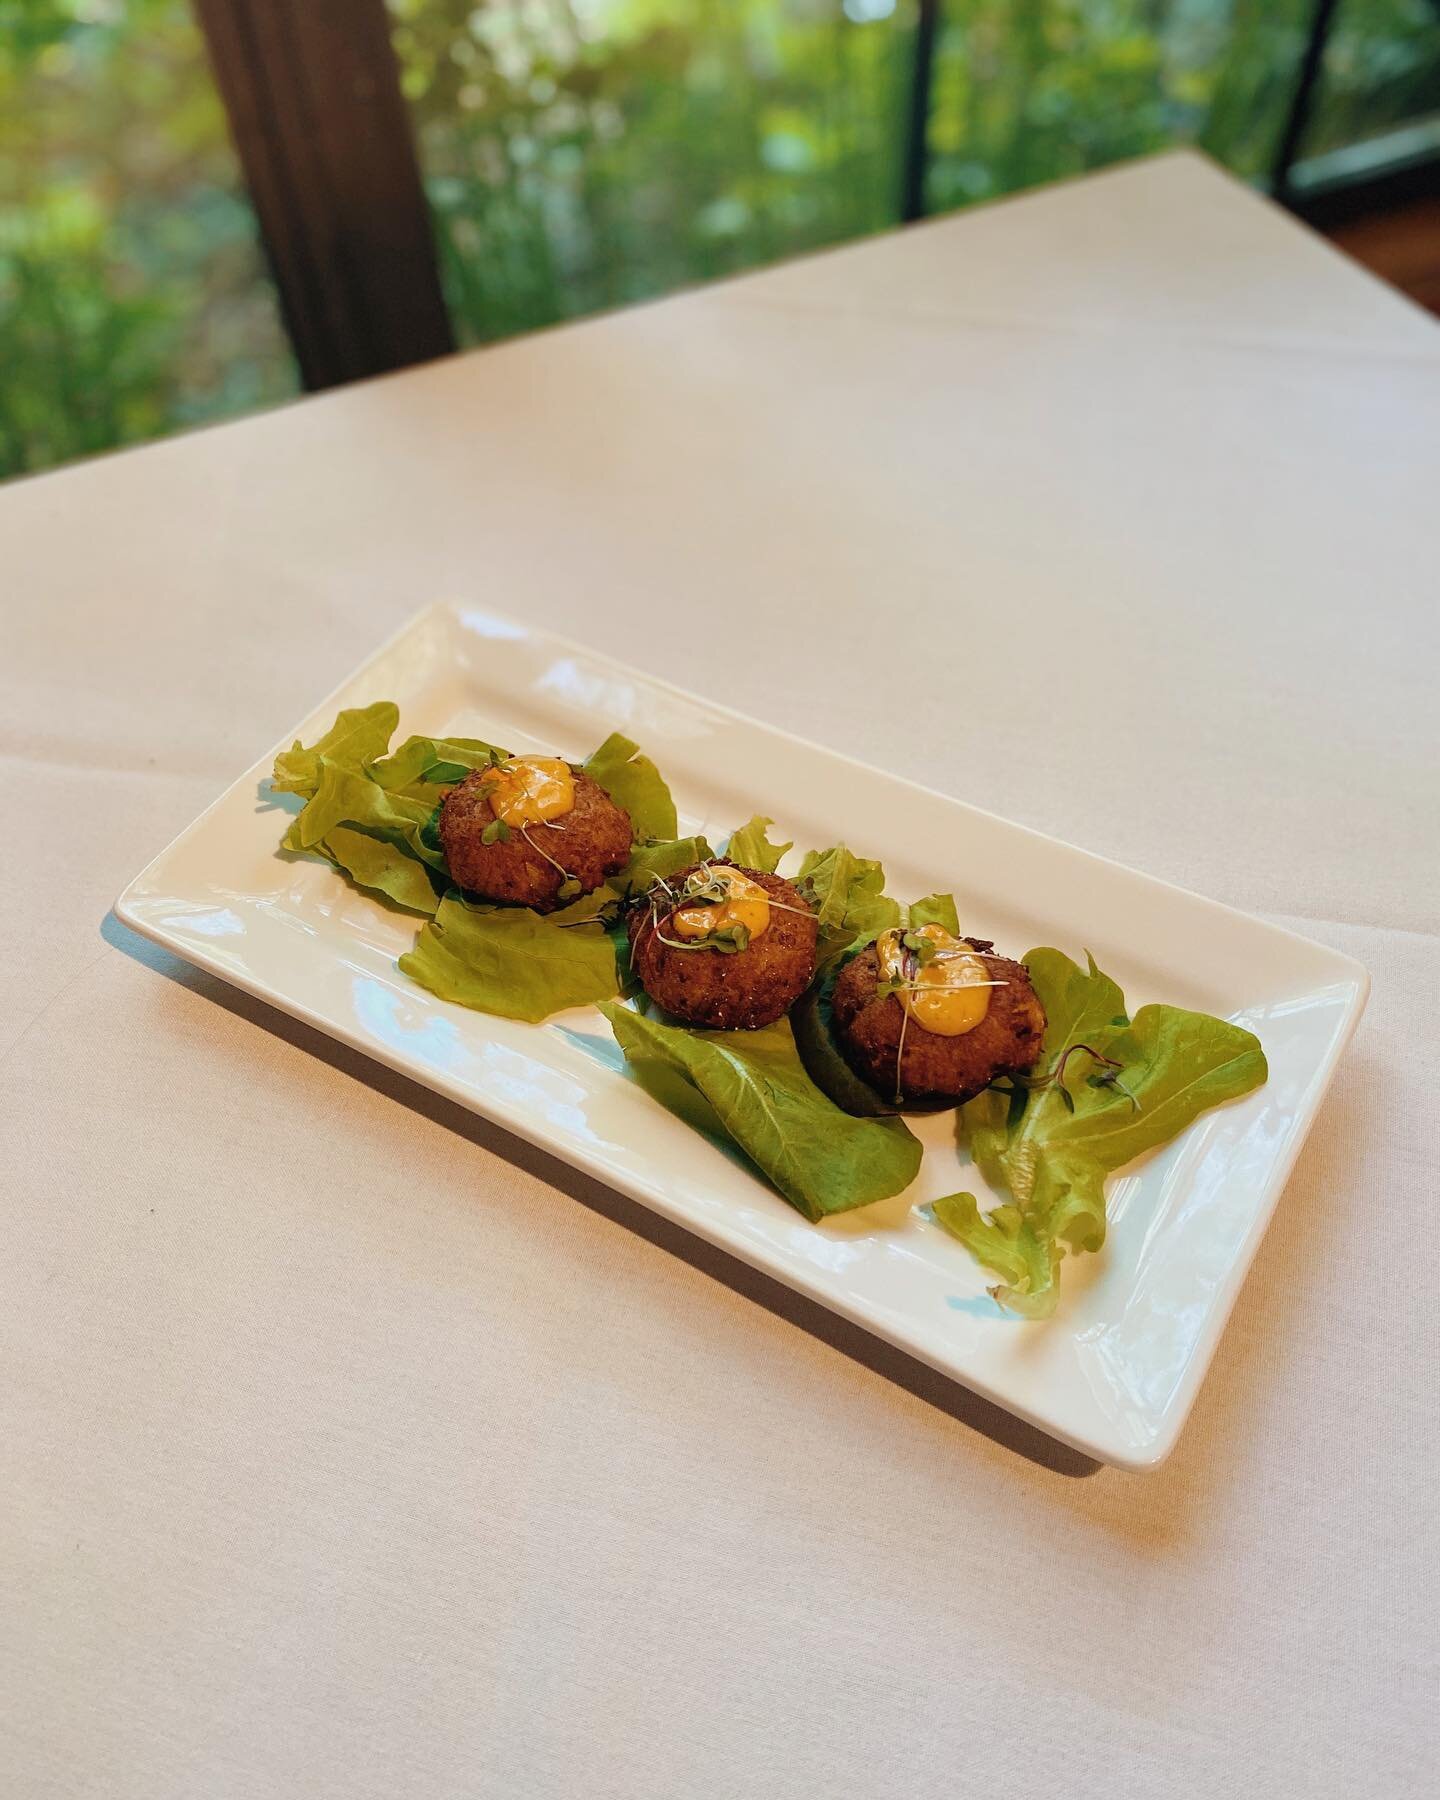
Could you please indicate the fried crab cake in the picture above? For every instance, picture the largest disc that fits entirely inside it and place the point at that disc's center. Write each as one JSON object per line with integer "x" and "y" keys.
{"x": 533, "y": 831}
{"x": 928, "y": 1031}
{"x": 723, "y": 947}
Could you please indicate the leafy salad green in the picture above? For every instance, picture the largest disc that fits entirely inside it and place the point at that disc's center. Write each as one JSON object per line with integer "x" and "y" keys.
{"x": 752, "y": 1088}
{"x": 752, "y": 848}
{"x": 632, "y": 781}
{"x": 372, "y": 813}
{"x": 514, "y": 962}
{"x": 1106, "y": 1089}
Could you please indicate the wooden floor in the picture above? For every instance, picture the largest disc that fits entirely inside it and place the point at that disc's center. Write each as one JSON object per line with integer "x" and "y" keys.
{"x": 1401, "y": 246}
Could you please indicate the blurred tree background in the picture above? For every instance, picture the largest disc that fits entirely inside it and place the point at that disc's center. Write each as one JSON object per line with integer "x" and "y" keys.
{"x": 579, "y": 154}
{"x": 133, "y": 293}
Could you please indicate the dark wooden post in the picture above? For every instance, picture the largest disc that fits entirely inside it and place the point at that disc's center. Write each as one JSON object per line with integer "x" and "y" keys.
{"x": 313, "y": 93}
{"x": 917, "y": 125}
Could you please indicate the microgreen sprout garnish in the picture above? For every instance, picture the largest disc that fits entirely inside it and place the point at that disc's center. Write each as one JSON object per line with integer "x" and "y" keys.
{"x": 496, "y": 832}
{"x": 900, "y": 1055}
{"x": 917, "y": 952}
{"x": 728, "y": 940}
{"x": 705, "y": 885}
{"x": 570, "y": 888}
{"x": 1106, "y": 1076}
{"x": 897, "y": 986}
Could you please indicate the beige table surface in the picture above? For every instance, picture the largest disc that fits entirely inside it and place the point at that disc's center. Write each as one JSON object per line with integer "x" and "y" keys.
{"x": 348, "y": 1448}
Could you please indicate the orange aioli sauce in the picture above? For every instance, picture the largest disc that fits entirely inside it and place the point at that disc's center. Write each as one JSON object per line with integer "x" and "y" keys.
{"x": 942, "y": 996}
{"x": 746, "y": 903}
{"x": 528, "y": 790}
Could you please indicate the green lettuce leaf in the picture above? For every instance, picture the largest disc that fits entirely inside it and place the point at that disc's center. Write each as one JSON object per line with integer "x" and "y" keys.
{"x": 372, "y": 862}
{"x": 753, "y": 1083}
{"x": 1052, "y": 1143}
{"x": 934, "y": 909}
{"x": 632, "y": 781}
{"x": 752, "y": 849}
{"x": 511, "y": 961}
{"x": 650, "y": 860}
{"x": 848, "y": 894}
{"x": 1013, "y": 1246}
{"x": 345, "y": 797}
{"x": 426, "y": 762}
{"x": 350, "y": 821}
{"x": 812, "y": 1022}
{"x": 1081, "y": 1006}
{"x": 1079, "y": 1003}
{"x": 359, "y": 734}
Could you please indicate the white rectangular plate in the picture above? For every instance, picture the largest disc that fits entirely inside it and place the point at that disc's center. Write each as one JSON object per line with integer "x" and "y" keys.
{"x": 1115, "y": 1373}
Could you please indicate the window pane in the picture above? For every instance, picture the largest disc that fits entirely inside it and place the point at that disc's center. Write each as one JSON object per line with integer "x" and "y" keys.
{"x": 133, "y": 296}
{"x": 1382, "y": 71}
{"x": 583, "y": 153}
{"x": 1029, "y": 90}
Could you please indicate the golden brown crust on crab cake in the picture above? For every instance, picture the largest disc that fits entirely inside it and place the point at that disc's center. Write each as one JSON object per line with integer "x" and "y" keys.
{"x": 739, "y": 992}
{"x": 590, "y": 841}
{"x": 1007, "y": 1040}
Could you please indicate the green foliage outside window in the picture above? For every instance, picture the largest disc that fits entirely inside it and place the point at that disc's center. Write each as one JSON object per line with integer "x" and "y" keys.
{"x": 582, "y": 153}
{"x": 133, "y": 297}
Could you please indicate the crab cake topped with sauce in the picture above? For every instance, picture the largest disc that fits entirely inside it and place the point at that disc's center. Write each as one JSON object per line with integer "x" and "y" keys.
{"x": 533, "y": 831}
{"x": 723, "y": 947}
{"x": 926, "y": 1017}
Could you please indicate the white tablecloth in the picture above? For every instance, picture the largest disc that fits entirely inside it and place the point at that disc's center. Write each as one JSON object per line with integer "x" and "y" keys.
{"x": 352, "y": 1449}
